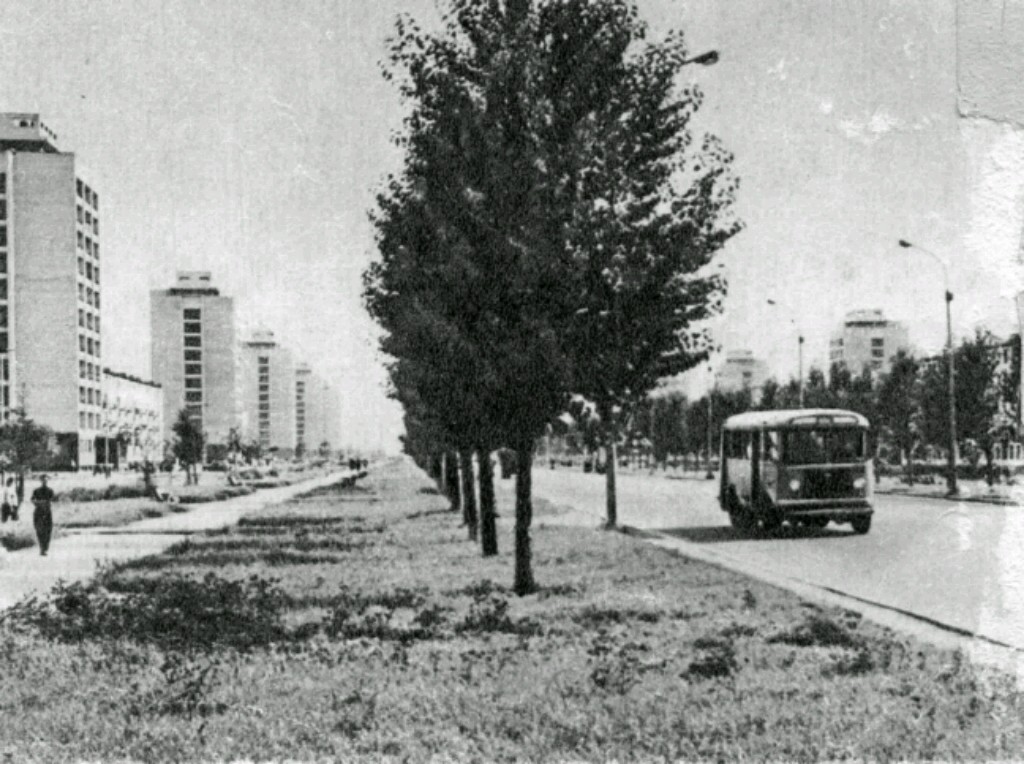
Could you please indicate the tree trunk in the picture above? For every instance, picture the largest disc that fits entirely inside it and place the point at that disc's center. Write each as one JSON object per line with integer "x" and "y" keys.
{"x": 469, "y": 515}
{"x": 608, "y": 424}
{"x": 488, "y": 531}
{"x": 990, "y": 475}
{"x": 910, "y": 466}
{"x": 451, "y": 480}
{"x": 524, "y": 583}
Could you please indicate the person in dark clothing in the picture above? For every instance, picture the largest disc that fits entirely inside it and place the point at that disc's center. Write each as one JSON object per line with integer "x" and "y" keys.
{"x": 42, "y": 517}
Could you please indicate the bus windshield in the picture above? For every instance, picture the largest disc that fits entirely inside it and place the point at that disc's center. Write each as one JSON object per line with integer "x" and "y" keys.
{"x": 823, "y": 446}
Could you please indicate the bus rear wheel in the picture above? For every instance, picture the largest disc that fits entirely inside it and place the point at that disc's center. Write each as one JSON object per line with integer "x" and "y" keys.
{"x": 861, "y": 525}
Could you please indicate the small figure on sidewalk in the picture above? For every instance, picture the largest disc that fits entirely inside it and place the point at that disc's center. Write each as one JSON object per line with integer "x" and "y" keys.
{"x": 42, "y": 517}
{"x": 8, "y": 501}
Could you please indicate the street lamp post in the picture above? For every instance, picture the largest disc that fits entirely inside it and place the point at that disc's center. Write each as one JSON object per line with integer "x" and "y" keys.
{"x": 800, "y": 355}
{"x": 951, "y": 484}
{"x": 710, "y": 474}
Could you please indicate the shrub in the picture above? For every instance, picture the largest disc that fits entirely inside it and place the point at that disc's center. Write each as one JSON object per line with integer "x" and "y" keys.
{"x": 171, "y": 611}
{"x": 716, "y": 658}
{"x": 817, "y": 631}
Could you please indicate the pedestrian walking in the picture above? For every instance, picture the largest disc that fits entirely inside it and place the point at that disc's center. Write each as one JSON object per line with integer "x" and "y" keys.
{"x": 42, "y": 517}
{"x": 8, "y": 501}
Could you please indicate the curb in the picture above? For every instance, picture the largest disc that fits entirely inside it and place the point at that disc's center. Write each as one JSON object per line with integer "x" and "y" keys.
{"x": 994, "y": 500}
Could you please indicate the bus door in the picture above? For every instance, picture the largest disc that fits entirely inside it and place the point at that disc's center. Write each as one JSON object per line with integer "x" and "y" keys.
{"x": 738, "y": 462}
{"x": 769, "y": 463}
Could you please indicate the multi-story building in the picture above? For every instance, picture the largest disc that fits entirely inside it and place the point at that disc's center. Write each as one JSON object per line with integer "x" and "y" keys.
{"x": 742, "y": 370}
{"x": 316, "y": 411}
{"x": 866, "y": 339}
{"x": 268, "y": 394}
{"x": 50, "y": 331}
{"x": 133, "y": 416}
{"x": 194, "y": 354}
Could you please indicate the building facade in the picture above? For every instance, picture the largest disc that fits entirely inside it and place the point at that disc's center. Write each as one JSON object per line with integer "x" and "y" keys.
{"x": 194, "y": 355}
{"x": 316, "y": 412}
{"x": 50, "y": 295}
{"x": 742, "y": 370}
{"x": 268, "y": 394}
{"x": 867, "y": 340}
{"x": 133, "y": 419}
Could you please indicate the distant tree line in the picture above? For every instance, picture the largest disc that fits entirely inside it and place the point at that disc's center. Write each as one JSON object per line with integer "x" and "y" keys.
{"x": 907, "y": 406}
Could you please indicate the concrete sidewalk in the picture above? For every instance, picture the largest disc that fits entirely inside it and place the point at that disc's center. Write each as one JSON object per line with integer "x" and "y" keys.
{"x": 75, "y": 556}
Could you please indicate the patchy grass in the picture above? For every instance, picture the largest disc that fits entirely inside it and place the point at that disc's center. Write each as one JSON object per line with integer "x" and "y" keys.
{"x": 329, "y": 628}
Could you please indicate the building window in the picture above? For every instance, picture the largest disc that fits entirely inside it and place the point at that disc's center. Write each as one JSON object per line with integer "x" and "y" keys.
{"x": 3, "y": 289}
{"x": 81, "y": 395}
{"x": 193, "y": 368}
{"x": 88, "y": 320}
{"x": 97, "y": 317}
{"x": 78, "y": 187}
{"x": 81, "y": 317}
{"x": 193, "y": 341}
{"x": 193, "y": 396}
{"x": 3, "y": 262}
{"x": 193, "y": 355}
{"x": 192, "y": 314}
{"x": 81, "y": 240}
{"x": 877, "y": 342}
{"x": 3, "y": 236}
{"x": 81, "y": 369}
{"x": 96, "y": 250}
{"x": 194, "y": 382}
{"x": 3, "y": 183}
{"x": 96, "y": 274}
{"x": 89, "y": 346}
{"x": 81, "y": 292}
{"x": 81, "y": 419}
{"x": 81, "y": 267}
{"x": 3, "y": 342}
{"x": 96, "y": 300}
{"x": 88, "y": 271}
{"x": 193, "y": 327}
{"x": 78, "y": 213}
{"x": 81, "y": 342}
{"x": 3, "y": 316}
{"x": 3, "y": 209}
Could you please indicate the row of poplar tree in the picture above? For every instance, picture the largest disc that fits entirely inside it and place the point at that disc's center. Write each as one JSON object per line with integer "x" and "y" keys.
{"x": 549, "y": 232}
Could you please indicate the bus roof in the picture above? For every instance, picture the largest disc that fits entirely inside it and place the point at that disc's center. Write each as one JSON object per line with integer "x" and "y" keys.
{"x": 757, "y": 420}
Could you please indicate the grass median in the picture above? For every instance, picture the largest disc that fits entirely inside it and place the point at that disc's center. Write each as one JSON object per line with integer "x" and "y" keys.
{"x": 359, "y": 623}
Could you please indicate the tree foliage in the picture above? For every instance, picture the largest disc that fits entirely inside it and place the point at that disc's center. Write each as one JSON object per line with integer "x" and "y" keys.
{"x": 189, "y": 443}
{"x": 24, "y": 443}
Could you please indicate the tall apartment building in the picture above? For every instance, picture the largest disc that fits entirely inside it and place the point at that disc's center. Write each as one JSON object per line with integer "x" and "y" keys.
{"x": 316, "y": 411}
{"x": 50, "y": 336}
{"x": 866, "y": 339}
{"x": 268, "y": 394}
{"x": 194, "y": 354}
{"x": 742, "y": 370}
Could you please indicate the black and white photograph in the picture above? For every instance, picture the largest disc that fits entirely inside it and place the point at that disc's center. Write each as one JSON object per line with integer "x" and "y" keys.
{"x": 511, "y": 380}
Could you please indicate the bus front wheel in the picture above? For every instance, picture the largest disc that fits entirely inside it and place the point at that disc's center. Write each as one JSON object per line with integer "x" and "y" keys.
{"x": 861, "y": 525}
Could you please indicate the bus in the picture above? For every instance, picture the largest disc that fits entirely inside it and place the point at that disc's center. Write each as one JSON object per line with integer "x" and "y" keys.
{"x": 806, "y": 467}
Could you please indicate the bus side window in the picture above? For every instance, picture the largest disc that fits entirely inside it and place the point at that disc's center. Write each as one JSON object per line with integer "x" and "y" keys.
{"x": 748, "y": 446}
{"x": 771, "y": 445}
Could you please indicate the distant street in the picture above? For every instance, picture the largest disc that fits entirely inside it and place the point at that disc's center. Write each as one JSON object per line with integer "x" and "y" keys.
{"x": 959, "y": 564}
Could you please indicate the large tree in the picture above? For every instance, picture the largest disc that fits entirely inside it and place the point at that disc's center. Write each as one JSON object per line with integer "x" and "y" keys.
{"x": 464, "y": 237}
{"x": 647, "y": 206}
{"x": 977, "y": 396}
{"x": 188, "y": 444}
{"x": 897, "y": 407}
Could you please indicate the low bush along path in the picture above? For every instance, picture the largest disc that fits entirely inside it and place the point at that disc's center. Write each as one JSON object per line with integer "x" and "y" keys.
{"x": 360, "y": 623}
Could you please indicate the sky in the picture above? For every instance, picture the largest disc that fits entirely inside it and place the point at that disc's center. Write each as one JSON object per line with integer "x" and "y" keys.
{"x": 248, "y": 138}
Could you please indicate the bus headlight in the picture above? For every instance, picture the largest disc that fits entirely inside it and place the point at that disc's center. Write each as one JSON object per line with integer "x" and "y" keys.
{"x": 794, "y": 486}
{"x": 860, "y": 483}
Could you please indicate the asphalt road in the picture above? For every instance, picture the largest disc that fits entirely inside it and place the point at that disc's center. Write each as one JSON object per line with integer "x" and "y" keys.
{"x": 960, "y": 565}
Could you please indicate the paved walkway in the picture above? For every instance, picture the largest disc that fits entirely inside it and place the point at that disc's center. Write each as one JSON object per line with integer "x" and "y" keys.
{"x": 76, "y": 555}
